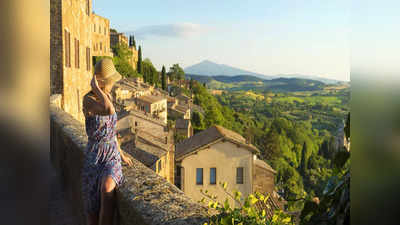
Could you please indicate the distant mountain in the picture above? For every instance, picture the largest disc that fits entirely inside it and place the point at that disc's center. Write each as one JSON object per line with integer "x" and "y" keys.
{"x": 208, "y": 68}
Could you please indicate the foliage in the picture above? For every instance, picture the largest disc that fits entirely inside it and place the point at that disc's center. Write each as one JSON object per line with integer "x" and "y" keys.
{"x": 139, "y": 63}
{"x": 198, "y": 121}
{"x": 122, "y": 55}
{"x": 176, "y": 73}
{"x": 333, "y": 207}
{"x": 163, "y": 79}
{"x": 132, "y": 42}
{"x": 246, "y": 214}
{"x": 150, "y": 73}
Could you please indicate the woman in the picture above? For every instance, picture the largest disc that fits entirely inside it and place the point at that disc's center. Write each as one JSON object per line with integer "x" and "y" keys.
{"x": 102, "y": 166}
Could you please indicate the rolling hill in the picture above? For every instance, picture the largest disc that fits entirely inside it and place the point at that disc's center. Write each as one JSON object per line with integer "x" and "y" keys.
{"x": 208, "y": 68}
{"x": 246, "y": 82}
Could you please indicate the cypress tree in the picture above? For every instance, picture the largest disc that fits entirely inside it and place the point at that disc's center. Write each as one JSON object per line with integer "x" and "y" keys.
{"x": 303, "y": 163}
{"x": 163, "y": 79}
{"x": 139, "y": 63}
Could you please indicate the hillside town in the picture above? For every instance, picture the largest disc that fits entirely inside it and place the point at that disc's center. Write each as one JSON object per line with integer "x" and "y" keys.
{"x": 149, "y": 118}
{"x": 244, "y": 135}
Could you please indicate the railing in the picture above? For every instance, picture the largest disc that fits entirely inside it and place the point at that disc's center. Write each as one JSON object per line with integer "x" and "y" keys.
{"x": 145, "y": 198}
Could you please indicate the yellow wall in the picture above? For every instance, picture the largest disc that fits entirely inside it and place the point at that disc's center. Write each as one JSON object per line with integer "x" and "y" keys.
{"x": 225, "y": 157}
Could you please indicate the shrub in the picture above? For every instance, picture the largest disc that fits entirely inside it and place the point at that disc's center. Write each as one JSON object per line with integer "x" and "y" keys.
{"x": 246, "y": 213}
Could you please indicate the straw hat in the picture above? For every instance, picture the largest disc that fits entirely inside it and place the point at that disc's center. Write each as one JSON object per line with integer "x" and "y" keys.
{"x": 105, "y": 72}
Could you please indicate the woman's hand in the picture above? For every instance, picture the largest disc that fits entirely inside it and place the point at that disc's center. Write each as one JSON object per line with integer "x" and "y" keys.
{"x": 126, "y": 159}
{"x": 94, "y": 84}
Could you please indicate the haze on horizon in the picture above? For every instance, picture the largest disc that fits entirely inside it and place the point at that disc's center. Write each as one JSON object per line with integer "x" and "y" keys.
{"x": 285, "y": 37}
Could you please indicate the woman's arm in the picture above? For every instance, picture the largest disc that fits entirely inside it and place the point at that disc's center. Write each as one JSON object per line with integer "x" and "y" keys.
{"x": 104, "y": 100}
{"x": 124, "y": 158}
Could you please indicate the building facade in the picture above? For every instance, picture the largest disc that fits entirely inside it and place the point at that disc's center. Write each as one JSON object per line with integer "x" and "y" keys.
{"x": 101, "y": 36}
{"x": 72, "y": 41}
{"x": 155, "y": 106}
{"x": 212, "y": 156}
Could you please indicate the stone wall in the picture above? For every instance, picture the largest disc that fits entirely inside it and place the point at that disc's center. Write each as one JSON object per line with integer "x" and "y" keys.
{"x": 56, "y": 45}
{"x": 145, "y": 198}
{"x": 263, "y": 180}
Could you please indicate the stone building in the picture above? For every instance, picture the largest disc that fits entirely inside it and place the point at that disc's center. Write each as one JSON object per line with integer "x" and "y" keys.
{"x": 179, "y": 111}
{"x": 183, "y": 127}
{"x": 147, "y": 139}
{"x": 156, "y": 152}
{"x": 220, "y": 155}
{"x": 101, "y": 36}
{"x": 72, "y": 41}
{"x": 155, "y": 106}
{"x": 120, "y": 38}
{"x": 128, "y": 88}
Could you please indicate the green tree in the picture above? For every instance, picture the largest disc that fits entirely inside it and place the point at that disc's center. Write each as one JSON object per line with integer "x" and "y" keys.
{"x": 304, "y": 159}
{"x": 347, "y": 127}
{"x": 176, "y": 73}
{"x": 121, "y": 60}
{"x": 163, "y": 78}
{"x": 132, "y": 42}
{"x": 198, "y": 121}
{"x": 139, "y": 63}
{"x": 271, "y": 148}
{"x": 150, "y": 73}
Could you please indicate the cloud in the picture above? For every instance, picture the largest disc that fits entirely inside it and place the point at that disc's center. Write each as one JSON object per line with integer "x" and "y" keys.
{"x": 180, "y": 30}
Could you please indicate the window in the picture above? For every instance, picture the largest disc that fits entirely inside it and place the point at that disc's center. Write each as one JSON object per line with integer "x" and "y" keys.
{"x": 88, "y": 7}
{"x": 213, "y": 175}
{"x": 94, "y": 27}
{"x": 136, "y": 124}
{"x": 239, "y": 175}
{"x": 105, "y": 31}
{"x": 199, "y": 175}
{"x": 88, "y": 64}
{"x": 101, "y": 46}
{"x": 67, "y": 49}
{"x": 76, "y": 53}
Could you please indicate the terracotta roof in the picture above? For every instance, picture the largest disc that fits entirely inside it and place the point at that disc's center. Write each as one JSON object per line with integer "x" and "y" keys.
{"x": 151, "y": 98}
{"x": 264, "y": 165}
{"x": 145, "y": 152}
{"x": 182, "y": 123}
{"x": 273, "y": 203}
{"x": 182, "y": 108}
{"x": 206, "y": 137}
{"x": 183, "y": 97}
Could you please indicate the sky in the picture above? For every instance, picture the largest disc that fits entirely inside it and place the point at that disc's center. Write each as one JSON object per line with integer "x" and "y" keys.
{"x": 267, "y": 37}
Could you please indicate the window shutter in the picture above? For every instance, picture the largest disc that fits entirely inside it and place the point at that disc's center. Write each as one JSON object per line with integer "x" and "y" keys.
{"x": 77, "y": 53}
{"x": 88, "y": 7}
{"x": 67, "y": 49}
{"x": 88, "y": 59}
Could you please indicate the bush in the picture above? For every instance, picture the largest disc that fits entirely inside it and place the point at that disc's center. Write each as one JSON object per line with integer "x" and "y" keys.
{"x": 246, "y": 213}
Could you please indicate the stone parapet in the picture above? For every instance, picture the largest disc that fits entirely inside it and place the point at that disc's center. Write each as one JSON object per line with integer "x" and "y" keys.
{"x": 145, "y": 198}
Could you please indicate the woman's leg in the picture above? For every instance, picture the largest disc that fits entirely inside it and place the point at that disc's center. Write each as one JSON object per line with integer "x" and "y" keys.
{"x": 93, "y": 219}
{"x": 107, "y": 207}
